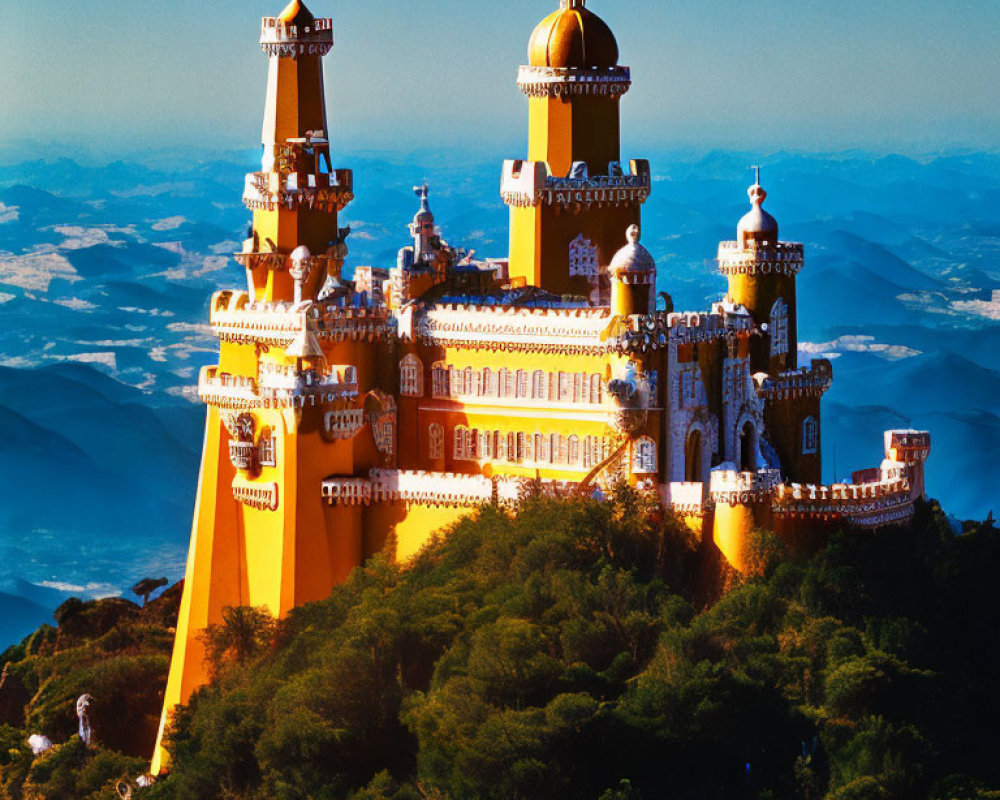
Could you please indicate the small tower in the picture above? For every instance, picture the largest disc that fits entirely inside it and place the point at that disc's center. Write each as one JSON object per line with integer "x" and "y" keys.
{"x": 761, "y": 271}
{"x": 633, "y": 278}
{"x": 570, "y": 197}
{"x": 422, "y": 228}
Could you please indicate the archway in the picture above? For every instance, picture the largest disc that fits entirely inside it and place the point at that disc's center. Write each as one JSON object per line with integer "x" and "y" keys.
{"x": 692, "y": 458}
{"x": 748, "y": 460}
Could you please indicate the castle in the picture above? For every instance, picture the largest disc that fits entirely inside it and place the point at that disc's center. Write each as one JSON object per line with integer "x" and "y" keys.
{"x": 351, "y": 417}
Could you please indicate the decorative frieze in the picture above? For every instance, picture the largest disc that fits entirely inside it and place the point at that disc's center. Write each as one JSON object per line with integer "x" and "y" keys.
{"x": 527, "y": 184}
{"x": 569, "y": 82}
{"x": 296, "y": 41}
{"x": 269, "y": 191}
{"x": 761, "y": 258}
{"x": 813, "y": 381}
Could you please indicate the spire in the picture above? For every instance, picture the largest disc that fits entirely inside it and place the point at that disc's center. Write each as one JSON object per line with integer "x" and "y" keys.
{"x": 423, "y": 192}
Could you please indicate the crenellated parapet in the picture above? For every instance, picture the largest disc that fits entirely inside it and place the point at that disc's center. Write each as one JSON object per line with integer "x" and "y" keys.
{"x": 279, "y": 387}
{"x": 287, "y": 40}
{"x": 527, "y": 184}
{"x": 812, "y": 381}
{"x": 538, "y": 81}
{"x": 866, "y": 504}
{"x": 270, "y": 191}
{"x": 742, "y": 488}
{"x": 234, "y": 318}
{"x": 761, "y": 257}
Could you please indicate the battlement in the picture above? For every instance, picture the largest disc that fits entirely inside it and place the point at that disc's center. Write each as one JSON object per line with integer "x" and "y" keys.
{"x": 269, "y": 191}
{"x": 687, "y": 498}
{"x": 761, "y": 258}
{"x": 235, "y": 319}
{"x": 565, "y": 82}
{"x": 734, "y": 488}
{"x": 529, "y": 183}
{"x": 907, "y": 447}
{"x": 278, "y": 388}
{"x": 812, "y": 381}
{"x": 293, "y": 41}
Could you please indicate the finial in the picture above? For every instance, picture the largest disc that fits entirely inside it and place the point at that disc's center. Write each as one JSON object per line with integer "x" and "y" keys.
{"x": 756, "y": 192}
{"x": 423, "y": 193}
{"x": 567, "y": 4}
{"x": 632, "y": 234}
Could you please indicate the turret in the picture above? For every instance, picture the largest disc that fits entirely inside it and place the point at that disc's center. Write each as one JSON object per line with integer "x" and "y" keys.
{"x": 761, "y": 270}
{"x": 633, "y": 278}
{"x": 297, "y": 195}
{"x": 573, "y": 194}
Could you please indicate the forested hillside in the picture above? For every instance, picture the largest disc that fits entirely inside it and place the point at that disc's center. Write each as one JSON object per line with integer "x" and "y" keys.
{"x": 577, "y": 650}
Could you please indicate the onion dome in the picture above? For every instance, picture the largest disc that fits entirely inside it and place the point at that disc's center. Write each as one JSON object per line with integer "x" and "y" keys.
{"x": 573, "y": 37}
{"x": 633, "y": 258}
{"x": 757, "y": 223}
{"x": 297, "y": 14}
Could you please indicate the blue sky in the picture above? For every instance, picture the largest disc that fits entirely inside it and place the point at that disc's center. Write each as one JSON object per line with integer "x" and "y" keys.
{"x": 902, "y": 75}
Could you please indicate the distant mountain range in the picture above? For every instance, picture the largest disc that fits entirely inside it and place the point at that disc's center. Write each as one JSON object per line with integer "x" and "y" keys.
{"x": 106, "y": 273}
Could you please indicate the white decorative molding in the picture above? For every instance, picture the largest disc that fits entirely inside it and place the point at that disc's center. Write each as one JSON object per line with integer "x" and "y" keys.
{"x": 563, "y": 82}
{"x": 262, "y": 496}
{"x": 761, "y": 258}
{"x": 527, "y": 183}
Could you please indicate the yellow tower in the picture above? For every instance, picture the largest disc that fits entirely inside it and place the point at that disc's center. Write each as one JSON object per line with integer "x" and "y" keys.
{"x": 572, "y": 198}
{"x": 285, "y": 403}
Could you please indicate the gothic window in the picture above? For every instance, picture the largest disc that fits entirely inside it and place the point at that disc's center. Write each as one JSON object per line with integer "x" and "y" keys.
{"x": 467, "y": 381}
{"x": 411, "y": 377}
{"x": 573, "y": 448}
{"x": 582, "y": 258}
{"x": 644, "y": 459}
{"x": 596, "y": 389}
{"x": 462, "y": 444}
{"x": 440, "y": 380}
{"x": 692, "y": 458}
{"x": 810, "y": 436}
{"x": 779, "y": 328}
{"x": 435, "y": 435}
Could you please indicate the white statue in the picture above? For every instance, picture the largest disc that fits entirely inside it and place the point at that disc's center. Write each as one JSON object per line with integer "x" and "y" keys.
{"x": 83, "y": 713}
{"x": 39, "y": 744}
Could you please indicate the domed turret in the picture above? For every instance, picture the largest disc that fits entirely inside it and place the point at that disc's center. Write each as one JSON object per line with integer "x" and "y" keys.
{"x": 296, "y": 13}
{"x": 573, "y": 37}
{"x": 633, "y": 278}
{"x": 757, "y": 224}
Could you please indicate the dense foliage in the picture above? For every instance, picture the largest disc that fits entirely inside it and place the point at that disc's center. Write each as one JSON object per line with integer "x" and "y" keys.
{"x": 570, "y": 652}
{"x": 111, "y": 649}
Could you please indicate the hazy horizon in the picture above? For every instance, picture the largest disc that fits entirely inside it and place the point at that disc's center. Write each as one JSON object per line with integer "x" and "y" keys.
{"x": 907, "y": 76}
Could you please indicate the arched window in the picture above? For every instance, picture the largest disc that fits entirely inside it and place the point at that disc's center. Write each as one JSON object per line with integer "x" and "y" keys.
{"x": 490, "y": 383}
{"x": 454, "y": 381}
{"x": 579, "y": 380}
{"x": 411, "y": 377}
{"x": 563, "y": 457}
{"x": 644, "y": 458}
{"x": 501, "y": 446}
{"x": 541, "y": 448}
{"x": 582, "y": 258}
{"x": 467, "y": 385}
{"x": 596, "y": 389}
{"x": 565, "y": 387}
{"x": 810, "y": 436}
{"x": 573, "y": 448}
{"x": 485, "y": 448}
{"x": 692, "y": 458}
{"x": 435, "y": 437}
{"x": 439, "y": 380}
{"x": 462, "y": 444}
{"x": 538, "y": 385}
{"x": 522, "y": 447}
{"x": 523, "y": 384}
{"x": 779, "y": 328}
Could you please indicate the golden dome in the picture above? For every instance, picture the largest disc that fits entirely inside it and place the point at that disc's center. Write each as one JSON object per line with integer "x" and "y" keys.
{"x": 573, "y": 37}
{"x": 296, "y": 13}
